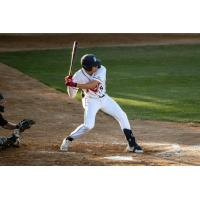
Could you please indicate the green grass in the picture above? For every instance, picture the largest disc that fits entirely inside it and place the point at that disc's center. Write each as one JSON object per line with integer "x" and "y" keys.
{"x": 149, "y": 82}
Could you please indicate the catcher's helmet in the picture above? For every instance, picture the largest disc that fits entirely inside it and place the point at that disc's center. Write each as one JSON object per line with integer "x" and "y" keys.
{"x": 1, "y": 96}
{"x": 89, "y": 60}
{"x": 1, "y": 106}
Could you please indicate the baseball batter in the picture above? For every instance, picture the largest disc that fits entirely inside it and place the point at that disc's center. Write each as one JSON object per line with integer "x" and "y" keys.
{"x": 91, "y": 78}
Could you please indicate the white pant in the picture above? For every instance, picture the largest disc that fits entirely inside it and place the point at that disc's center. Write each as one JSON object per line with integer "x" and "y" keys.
{"x": 92, "y": 106}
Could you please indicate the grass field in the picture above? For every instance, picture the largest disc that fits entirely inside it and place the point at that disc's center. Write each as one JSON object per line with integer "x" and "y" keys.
{"x": 150, "y": 82}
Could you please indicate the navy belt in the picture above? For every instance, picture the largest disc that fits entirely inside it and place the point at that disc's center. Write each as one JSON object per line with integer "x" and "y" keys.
{"x": 102, "y": 96}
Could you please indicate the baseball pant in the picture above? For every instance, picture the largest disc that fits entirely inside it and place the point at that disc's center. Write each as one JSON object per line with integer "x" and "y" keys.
{"x": 92, "y": 106}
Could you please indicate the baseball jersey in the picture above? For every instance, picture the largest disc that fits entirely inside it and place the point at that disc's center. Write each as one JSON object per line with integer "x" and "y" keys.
{"x": 82, "y": 77}
{"x": 3, "y": 122}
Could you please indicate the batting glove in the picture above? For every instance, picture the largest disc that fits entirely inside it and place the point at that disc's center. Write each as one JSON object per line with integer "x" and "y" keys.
{"x": 69, "y": 82}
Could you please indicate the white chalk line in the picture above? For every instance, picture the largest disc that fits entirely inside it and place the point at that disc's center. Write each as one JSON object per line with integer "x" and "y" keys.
{"x": 192, "y": 148}
{"x": 174, "y": 150}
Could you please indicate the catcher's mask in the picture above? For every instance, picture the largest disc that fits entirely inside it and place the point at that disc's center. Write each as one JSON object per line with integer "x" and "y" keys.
{"x": 2, "y": 101}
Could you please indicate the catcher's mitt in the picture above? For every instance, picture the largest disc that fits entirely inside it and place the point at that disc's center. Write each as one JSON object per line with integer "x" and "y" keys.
{"x": 25, "y": 124}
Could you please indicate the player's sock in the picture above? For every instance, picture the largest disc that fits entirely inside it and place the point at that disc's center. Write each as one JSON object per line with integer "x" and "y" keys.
{"x": 70, "y": 138}
{"x": 130, "y": 137}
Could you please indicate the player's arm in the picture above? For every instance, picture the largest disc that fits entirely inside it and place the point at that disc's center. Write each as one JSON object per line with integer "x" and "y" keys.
{"x": 90, "y": 85}
{"x": 5, "y": 124}
{"x": 72, "y": 92}
{"x": 10, "y": 126}
{"x": 72, "y": 84}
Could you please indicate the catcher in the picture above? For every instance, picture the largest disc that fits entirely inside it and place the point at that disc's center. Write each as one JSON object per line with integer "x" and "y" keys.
{"x": 14, "y": 139}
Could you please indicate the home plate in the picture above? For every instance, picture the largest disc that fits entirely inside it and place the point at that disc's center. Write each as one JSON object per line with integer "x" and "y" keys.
{"x": 119, "y": 158}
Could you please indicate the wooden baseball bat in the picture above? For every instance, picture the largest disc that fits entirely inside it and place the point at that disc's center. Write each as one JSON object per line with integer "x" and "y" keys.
{"x": 73, "y": 56}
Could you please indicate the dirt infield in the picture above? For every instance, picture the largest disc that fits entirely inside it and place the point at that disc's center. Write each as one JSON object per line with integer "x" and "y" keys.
{"x": 56, "y": 115}
{"x": 164, "y": 143}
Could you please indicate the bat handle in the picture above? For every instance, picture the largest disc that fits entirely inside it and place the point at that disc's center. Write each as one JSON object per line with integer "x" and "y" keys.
{"x": 74, "y": 49}
{"x": 69, "y": 74}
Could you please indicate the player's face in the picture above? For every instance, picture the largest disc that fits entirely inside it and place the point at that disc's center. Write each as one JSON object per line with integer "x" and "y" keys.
{"x": 94, "y": 69}
{"x": 2, "y": 102}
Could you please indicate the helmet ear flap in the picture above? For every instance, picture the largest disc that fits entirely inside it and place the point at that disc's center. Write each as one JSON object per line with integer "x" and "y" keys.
{"x": 89, "y": 69}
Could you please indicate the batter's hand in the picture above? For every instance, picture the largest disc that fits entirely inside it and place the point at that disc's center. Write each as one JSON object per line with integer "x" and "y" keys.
{"x": 69, "y": 82}
{"x": 68, "y": 79}
{"x": 95, "y": 89}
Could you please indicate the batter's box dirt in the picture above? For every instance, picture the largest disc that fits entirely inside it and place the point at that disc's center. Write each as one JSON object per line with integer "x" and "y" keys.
{"x": 97, "y": 149}
{"x": 162, "y": 149}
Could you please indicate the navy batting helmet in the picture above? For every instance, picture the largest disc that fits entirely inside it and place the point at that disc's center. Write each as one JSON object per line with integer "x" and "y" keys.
{"x": 89, "y": 60}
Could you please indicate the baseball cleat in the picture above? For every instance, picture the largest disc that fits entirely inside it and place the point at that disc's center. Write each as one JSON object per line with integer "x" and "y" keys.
{"x": 65, "y": 145}
{"x": 135, "y": 149}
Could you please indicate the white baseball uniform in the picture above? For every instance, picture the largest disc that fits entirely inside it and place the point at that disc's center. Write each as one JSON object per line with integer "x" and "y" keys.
{"x": 94, "y": 101}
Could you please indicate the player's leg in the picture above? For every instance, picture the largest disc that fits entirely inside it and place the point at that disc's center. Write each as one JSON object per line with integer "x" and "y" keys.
{"x": 91, "y": 108}
{"x": 112, "y": 108}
